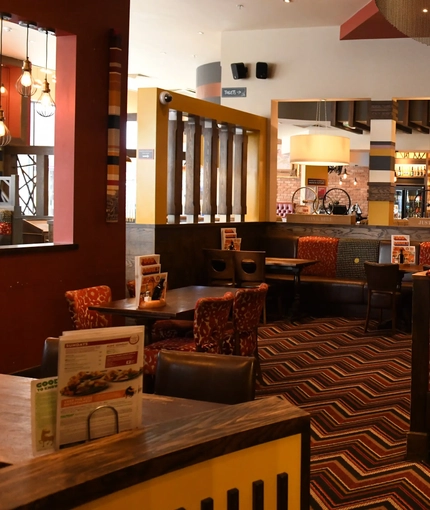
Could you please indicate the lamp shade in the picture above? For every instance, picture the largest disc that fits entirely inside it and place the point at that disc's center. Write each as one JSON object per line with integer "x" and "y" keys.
{"x": 320, "y": 150}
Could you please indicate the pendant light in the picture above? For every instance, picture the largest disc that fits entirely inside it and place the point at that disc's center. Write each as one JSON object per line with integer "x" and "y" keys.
{"x": 25, "y": 83}
{"x": 320, "y": 149}
{"x": 5, "y": 136}
{"x": 45, "y": 106}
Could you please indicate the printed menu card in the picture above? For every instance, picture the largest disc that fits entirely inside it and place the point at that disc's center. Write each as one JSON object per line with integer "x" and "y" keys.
{"x": 99, "y": 383}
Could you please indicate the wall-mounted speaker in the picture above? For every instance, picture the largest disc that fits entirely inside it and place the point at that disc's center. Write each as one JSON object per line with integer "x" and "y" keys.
{"x": 262, "y": 70}
{"x": 239, "y": 70}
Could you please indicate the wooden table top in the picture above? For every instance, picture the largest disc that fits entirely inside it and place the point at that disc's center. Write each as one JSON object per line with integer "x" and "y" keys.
{"x": 15, "y": 415}
{"x": 71, "y": 477}
{"x": 286, "y": 262}
{"x": 411, "y": 268}
{"x": 179, "y": 303}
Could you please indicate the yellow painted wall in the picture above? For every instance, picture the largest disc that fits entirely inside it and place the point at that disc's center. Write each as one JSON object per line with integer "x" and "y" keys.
{"x": 213, "y": 478}
{"x": 381, "y": 213}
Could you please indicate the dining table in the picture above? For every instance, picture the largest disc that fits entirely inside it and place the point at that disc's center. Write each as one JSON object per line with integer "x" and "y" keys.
{"x": 179, "y": 304}
{"x": 15, "y": 415}
{"x": 280, "y": 270}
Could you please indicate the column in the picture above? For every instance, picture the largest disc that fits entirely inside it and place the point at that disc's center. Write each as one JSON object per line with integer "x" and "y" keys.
{"x": 383, "y": 115}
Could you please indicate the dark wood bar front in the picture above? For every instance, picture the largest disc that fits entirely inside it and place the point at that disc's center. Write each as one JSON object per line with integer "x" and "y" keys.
{"x": 203, "y": 453}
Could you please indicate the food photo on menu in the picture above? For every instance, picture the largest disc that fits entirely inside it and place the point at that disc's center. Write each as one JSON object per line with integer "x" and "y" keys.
{"x": 100, "y": 383}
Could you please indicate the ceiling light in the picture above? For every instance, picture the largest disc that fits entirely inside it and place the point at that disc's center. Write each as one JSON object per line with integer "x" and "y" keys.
{"x": 45, "y": 106}
{"x": 25, "y": 83}
{"x": 321, "y": 148}
{"x": 355, "y": 181}
{"x": 345, "y": 175}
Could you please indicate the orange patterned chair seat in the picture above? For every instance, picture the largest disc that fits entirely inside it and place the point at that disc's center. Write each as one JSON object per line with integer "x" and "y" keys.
{"x": 210, "y": 318}
{"x": 79, "y": 300}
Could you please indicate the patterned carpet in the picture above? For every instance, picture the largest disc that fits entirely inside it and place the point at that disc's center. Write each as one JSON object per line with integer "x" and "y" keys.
{"x": 356, "y": 387}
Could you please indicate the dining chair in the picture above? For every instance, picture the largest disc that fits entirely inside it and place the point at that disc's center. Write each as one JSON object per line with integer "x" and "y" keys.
{"x": 383, "y": 290}
{"x": 250, "y": 271}
{"x": 79, "y": 300}
{"x": 210, "y": 318}
{"x": 219, "y": 267}
{"x": 49, "y": 362}
{"x": 205, "y": 376}
{"x": 242, "y": 337}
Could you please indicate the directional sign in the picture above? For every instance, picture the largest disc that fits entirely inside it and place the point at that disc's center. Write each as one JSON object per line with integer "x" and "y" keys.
{"x": 234, "y": 92}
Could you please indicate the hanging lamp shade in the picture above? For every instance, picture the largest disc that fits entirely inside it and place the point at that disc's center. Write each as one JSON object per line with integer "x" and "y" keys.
{"x": 320, "y": 150}
{"x": 409, "y": 17}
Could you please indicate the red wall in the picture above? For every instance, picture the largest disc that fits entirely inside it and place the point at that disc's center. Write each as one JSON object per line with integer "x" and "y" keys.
{"x": 32, "y": 284}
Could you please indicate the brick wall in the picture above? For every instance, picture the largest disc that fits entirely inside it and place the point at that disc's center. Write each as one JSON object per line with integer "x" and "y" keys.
{"x": 287, "y": 185}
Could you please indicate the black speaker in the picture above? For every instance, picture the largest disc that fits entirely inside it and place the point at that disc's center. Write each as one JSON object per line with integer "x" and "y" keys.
{"x": 262, "y": 70}
{"x": 239, "y": 70}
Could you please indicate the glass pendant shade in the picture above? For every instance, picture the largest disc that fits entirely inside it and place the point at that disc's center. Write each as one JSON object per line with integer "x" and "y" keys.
{"x": 5, "y": 136}
{"x": 25, "y": 84}
{"x": 320, "y": 149}
{"x": 45, "y": 106}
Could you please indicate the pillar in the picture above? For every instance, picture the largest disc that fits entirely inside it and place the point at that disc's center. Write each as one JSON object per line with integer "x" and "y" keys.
{"x": 383, "y": 115}
{"x": 208, "y": 81}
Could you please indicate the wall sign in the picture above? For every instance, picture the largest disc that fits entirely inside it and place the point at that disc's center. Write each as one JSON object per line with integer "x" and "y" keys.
{"x": 146, "y": 153}
{"x": 316, "y": 182}
{"x": 233, "y": 92}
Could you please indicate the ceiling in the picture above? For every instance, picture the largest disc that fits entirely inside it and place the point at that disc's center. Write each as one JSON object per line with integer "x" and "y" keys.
{"x": 169, "y": 39}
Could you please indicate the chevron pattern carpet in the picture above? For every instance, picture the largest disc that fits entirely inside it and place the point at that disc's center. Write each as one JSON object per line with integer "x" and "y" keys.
{"x": 356, "y": 387}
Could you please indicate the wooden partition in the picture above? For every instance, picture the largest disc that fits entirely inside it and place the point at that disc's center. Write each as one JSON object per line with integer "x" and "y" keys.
{"x": 418, "y": 440}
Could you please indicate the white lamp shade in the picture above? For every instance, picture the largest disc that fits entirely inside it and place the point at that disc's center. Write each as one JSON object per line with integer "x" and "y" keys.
{"x": 320, "y": 150}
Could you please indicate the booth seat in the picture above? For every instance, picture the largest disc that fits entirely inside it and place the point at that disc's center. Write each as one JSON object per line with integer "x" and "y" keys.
{"x": 337, "y": 282}
{"x": 284, "y": 208}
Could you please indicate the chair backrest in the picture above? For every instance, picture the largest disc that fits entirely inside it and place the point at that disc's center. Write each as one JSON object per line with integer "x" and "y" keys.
{"x": 80, "y": 299}
{"x": 249, "y": 266}
{"x": 219, "y": 267}
{"x": 201, "y": 376}
{"x": 210, "y": 318}
{"x": 382, "y": 277}
{"x": 49, "y": 365}
{"x": 247, "y": 307}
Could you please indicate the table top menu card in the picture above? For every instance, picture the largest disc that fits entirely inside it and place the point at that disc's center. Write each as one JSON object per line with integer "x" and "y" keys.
{"x": 99, "y": 383}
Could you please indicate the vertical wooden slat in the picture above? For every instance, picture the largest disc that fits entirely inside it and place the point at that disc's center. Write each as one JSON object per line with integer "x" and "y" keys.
{"x": 175, "y": 158}
{"x": 233, "y": 499}
{"x": 193, "y": 155}
{"x": 258, "y": 495}
{"x": 282, "y": 491}
{"x": 244, "y": 181}
{"x": 207, "y": 504}
{"x": 210, "y": 166}
{"x": 237, "y": 173}
{"x": 41, "y": 185}
{"x": 226, "y": 172}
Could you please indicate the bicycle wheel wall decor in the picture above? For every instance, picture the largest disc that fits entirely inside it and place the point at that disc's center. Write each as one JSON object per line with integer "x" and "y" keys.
{"x": 114, "y": 110}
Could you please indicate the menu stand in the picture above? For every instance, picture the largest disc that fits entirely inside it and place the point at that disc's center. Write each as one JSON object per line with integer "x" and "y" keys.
{"x": 98, "y": 409}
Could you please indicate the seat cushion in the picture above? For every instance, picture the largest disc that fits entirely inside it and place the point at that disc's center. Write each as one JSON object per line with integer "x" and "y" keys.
{"x": 351, "y": 255}
{"x": 323, "y": 249}
{"x": 424, "y": 254}
{"x": 151, "y": 351}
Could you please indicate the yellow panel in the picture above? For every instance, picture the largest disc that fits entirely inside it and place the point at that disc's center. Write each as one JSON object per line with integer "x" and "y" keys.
{"x": 213, "y": 478}
{"x": 316, "y": 172}
{"x": 381, "y": 213}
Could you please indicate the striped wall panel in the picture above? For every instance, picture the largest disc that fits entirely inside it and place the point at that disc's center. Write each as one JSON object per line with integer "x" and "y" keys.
{"x": 114, "y": 110}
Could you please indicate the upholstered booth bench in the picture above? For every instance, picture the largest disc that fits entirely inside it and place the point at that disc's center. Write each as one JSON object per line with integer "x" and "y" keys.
{"x": 337, "y": 282}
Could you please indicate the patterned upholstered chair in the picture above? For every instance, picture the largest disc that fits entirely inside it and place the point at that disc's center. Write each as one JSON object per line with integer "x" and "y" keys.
{"x": 79, "y": 301}
{"x": 210, "y": 318}
{"x": 242, "y": 338}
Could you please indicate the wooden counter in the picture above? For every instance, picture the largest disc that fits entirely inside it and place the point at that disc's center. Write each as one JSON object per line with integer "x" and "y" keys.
{"x": 129, "y": 461}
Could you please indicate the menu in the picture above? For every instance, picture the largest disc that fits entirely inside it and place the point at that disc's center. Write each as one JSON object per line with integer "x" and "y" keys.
{"x": 43, "y": 413}
{"x": 401, "y": 250}
{"x": 100, "y": 375}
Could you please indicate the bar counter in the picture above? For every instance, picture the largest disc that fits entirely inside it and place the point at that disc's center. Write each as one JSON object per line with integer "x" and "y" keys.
{"x": 174, "y": 463}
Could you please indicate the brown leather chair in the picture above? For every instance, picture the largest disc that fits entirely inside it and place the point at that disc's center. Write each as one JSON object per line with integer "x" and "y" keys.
{"x": 219, "y": 267}
{"x": 383, "y": 284}
{"x": 49, "y": 366}
{"x": 202, "y": 376}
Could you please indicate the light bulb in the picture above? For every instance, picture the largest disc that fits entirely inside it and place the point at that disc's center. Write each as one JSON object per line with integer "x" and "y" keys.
{"x": 2, "y": 128}
{"x": 45, "y": 106}
{"x": 345, "y": 175}
{"x": 355, "y": 181}
{"x": 2, "y": 89}
{"x": 26, "y": 79}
